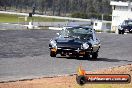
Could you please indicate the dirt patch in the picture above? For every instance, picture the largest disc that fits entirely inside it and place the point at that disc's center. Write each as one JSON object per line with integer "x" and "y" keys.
{"x": 70, "y": 82}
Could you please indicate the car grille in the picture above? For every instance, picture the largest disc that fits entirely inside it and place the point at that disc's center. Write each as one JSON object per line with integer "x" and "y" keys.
{"x": 66, "y": 46}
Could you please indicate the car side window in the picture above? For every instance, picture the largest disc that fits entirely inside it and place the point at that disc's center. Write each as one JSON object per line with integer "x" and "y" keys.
{"x": 130, "y": 23}
{"x": 124, "y": 23}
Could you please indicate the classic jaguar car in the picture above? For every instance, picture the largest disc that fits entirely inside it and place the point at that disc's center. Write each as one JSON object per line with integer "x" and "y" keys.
{"x": 75, "y": 41}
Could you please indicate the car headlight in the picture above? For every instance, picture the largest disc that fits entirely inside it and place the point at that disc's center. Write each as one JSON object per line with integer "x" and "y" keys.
{"x": 53, "y": 44}
{"x": 85, "y": 46}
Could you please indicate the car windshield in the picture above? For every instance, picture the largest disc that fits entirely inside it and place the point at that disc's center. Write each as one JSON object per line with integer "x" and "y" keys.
{"x": 128, "y": 22}
{"x": 82, "y": 33}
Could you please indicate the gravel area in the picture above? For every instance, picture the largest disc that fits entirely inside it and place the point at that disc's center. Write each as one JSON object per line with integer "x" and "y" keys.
{"x": 70, "y": 81}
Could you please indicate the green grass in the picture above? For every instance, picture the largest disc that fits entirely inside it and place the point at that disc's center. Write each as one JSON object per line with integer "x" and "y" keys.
{"x": 99, "y": 30}
{"x": 109, "y": 31}
{"x": 8, "y": 18}
{"x": 40, "y": 19}
{"x": 15, "y": 19}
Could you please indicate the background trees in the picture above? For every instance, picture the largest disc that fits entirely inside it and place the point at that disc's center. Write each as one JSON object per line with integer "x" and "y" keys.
{"x": 74, "y": 8}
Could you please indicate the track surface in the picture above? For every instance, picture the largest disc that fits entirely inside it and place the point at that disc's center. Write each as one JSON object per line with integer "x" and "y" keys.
{"x": 24, "y": 54}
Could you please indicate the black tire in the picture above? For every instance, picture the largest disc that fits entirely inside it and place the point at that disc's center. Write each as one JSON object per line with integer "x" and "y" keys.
{"x": 130, "y": 31}
{"x": 123, "y": 31}
{"x": 94, "y": 55}
{"x": 81, "y": 80}
{"x": 119, "y": 31}
{"x": 52, "y": 54}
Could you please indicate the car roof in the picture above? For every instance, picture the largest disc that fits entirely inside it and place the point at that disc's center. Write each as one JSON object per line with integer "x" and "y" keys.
{"x": 72, "y": 25}
{"x": 77, "y": 27}
{"x": 81, "y": 27}
{"x": 128, "y": 20}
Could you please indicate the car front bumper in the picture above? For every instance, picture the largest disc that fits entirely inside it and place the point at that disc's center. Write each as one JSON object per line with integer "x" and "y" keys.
{"x": 69, "y": 51}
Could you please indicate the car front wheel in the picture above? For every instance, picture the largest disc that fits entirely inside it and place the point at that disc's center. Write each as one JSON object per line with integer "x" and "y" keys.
{"x": 52, "y": 54}
{"x": 130, "y": 31}
{"x": 122, "y": 31}
{"x": 119, "y": 31}
{"x": 95, "y": 55}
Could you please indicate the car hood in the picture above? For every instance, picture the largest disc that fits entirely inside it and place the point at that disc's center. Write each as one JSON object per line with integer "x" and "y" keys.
{"x": 72, "y": 41}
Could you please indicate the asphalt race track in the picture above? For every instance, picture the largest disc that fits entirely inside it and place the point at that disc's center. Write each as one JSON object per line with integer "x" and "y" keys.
{"x": 24, "y": 54}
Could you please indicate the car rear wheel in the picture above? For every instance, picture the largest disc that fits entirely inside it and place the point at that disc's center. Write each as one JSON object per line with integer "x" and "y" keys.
{"x": 52, "y": 54}
{"x": 95, "y": 55}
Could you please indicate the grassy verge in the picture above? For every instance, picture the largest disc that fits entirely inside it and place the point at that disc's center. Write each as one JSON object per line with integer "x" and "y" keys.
{"x": 109, "y": 31}
{"x": 8, "y": 18}
{"x": 15, "y": 19}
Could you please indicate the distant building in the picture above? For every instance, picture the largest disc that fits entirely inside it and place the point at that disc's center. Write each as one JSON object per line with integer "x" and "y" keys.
{"x": 100, "y": 25}
{"x": 120, "y": 11}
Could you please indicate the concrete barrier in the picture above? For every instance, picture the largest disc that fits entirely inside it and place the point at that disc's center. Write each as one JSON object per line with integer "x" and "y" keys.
{"x": 55, "y": 28}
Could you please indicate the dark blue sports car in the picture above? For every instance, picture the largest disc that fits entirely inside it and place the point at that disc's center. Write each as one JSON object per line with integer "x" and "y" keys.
{"x": 126, "y": 26}
{"x": 75, "y": 41}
